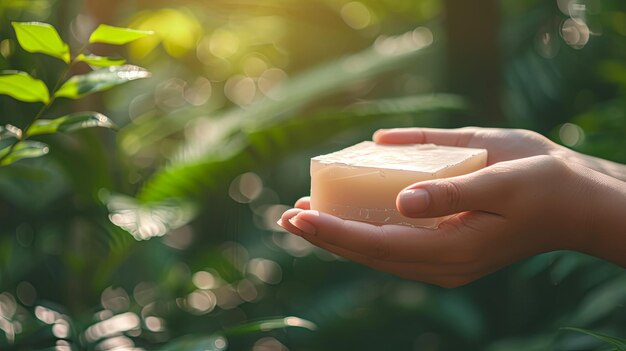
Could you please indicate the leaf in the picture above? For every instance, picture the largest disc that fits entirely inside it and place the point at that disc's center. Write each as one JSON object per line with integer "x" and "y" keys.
{"x": 619, "y": 344}
{"x": 99, "y": 80}
{"x": 196, "y": 343}
{"x": 23, "y": 149}
{"x": 23, "y": 87}
{"x": 145, "y": 221}
{"x": 100, "y": 61}
{"x": 42, "y": 38}
{"x": 201, "y": 171}
{"x": 116, "y": 35}
{"x": 271, "y": 324}
{"x": 70, "y": 123}
{"x": 601, "y": 302}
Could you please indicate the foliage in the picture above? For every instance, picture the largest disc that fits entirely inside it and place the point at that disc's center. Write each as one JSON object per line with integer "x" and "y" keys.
{"x": 161, "y": 236}
{"x": 43, "y": 38}
{"x": 616, "y": 343}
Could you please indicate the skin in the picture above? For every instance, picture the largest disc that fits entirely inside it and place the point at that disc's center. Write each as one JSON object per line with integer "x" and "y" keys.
{"x": 534, "y": 196}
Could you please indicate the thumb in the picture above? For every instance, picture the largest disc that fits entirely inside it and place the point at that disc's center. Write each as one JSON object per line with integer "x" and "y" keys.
{"x": 489, "y": 190}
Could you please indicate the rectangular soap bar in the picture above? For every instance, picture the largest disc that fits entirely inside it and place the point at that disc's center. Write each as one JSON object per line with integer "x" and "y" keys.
{"x": 362, "y": 181}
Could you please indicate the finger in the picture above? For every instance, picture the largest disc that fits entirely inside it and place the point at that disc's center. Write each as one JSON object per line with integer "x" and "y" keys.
{"x": 490, "y": 189}
{"x": 449, "y": 137}
{"x": 304, "y": 203}
{"x": 389, "y": 242}
{"x": 284, "y": 221}
{"x": 462, "y": 261}
{"x": 429, "y": 273}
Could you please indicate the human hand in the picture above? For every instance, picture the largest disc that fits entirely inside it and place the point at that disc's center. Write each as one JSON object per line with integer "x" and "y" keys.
{"x": 519, "y": 206}
{"x": 502, "y": 144}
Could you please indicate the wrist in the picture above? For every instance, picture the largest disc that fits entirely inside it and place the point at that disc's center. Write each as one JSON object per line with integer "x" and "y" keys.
{"x": 603, "y": 233}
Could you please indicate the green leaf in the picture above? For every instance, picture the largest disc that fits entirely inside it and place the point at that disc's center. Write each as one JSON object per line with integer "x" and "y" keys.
{"x": 600, "y": 302}
{"x": 23, "y": 149}
{"x": 271, "y": 324}
{"x": 23, "y": 87}
{"x": 196, "y": 343}
{"x": 201, "y": 171}
{"x": 116, "y": 35}
{"x": 70, "y": 123}
{"x": 43, "y": 38}
{"x": 99, "y": 80}
{"x": 619, "y": 344}
{"x": 100, "y": 61}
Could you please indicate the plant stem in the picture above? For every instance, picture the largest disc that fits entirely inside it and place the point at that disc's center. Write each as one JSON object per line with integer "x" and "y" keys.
{"x": 45, "y": 107}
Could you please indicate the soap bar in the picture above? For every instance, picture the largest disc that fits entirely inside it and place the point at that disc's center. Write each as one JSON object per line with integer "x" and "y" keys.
{"x": 362, "y": 181}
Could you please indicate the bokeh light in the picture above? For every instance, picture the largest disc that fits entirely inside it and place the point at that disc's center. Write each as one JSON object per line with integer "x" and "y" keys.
{"x": 356, "y": 15}
{"x": 571, "y": 134}
{"x": 265, "y": 270}
{"x": 204, "y": 280}
{"x": 246, "y": 187}
{"x": 576, "y": 34}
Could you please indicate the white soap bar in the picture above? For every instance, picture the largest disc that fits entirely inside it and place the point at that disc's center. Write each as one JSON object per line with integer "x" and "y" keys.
{"x": 362, "y": 182}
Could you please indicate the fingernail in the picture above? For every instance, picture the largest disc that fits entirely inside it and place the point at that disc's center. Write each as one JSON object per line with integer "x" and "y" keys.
{"x": 280, "y": 223}
{"x": 303, "y": 225}
{"x": 413, "y": 201}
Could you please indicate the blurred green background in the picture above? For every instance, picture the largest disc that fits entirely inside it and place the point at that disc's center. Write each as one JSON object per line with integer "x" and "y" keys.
{"x": 162, "y": 235}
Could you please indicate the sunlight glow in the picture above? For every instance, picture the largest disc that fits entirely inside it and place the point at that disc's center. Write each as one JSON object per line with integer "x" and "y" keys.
{"x": 246, "y": 187}
{"x": 144, "y": 221}
{"x": 265, "y": 270}
{"x": 8, "y": 307}
{"x": 356, "y": 15}
{"x": 115, "y": 299}
{"x": 227, "y": 297}
{"x": 61, "y": 328}
{"x": 223, "y": 43}
{"x": 116, "y": 343}
{"x": 145, "y": 293}
{"x": 575, "y": 33}
{"x": 271, "y": 215}
{"x": 46, "y": 315}
{"x": 294, "y": 245}
{"x": 247, "y": 291}
{"x": 220, "y": 343}
{"x": 198, "y": 92}
{"x": 254, "y": 65}
{"x": 417, "y": 39}
{"x": 201, "y": 301}
{"x": 112, "y": 326}
{"x": 240, "y": 89}
{"x": 204, "y": 280}
{"x": 62, "y": 345}
{"x": 571, "y": 134}
{"x": 299, "y": 322}
{"x": 168, "y": 94}
{"x": 270, "y": 82}
{"x": 155, "y": 324}
{"x": 269, "y": 344}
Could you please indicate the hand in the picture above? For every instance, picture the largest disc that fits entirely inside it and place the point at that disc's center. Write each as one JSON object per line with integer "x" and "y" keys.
{"x": 521, "y": 205}
{"x": 502, "y": 144}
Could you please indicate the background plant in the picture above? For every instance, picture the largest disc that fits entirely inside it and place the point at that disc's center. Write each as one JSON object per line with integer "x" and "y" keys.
{"x": 216, "y": 144}
{"x": 36, "y": 37}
